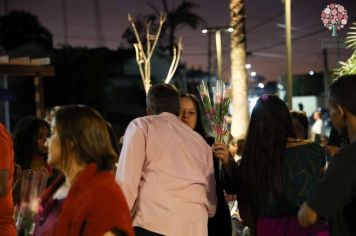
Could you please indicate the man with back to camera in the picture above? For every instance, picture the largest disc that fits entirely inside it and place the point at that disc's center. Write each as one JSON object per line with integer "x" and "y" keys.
{"x": 166, "y": 170}
{"x": 334, "y": 198}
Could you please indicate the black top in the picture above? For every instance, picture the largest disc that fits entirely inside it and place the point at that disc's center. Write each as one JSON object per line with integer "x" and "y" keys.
{"x": 303, "y": 169}
{"x": 334, "y": 198}
{"x": 336, "y": 140}
{"x": 220, "y": 224}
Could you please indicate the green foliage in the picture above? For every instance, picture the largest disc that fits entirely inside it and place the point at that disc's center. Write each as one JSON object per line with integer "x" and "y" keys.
{"x": 348, "y": 67}
{"x": 179, "y": 17}
{"x": 19, "y": 28}
{"x": 80, "y": 78}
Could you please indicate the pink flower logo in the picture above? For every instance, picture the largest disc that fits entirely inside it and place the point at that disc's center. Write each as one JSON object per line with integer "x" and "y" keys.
{"x": 334, "y": 17}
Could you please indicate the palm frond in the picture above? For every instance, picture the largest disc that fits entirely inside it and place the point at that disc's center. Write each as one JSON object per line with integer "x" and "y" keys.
{"x": 154, "y": 8}
{"x": 348, "y": 67}
{"x": 351, "y": 36}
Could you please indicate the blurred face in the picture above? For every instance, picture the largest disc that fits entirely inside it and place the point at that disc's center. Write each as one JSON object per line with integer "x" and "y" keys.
{"x": 316, "y": 115}
{"x": 43, "y": 134}
{"x": 233, "y": 149}
{"x": 54, "y": 147}
{"x": 337, "y": 119}
{"x": 188, "y": 112}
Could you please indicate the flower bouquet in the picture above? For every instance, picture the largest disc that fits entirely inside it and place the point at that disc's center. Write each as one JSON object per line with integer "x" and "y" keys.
{"x": 216, "y": 108}
{"x": 33, "y": 184}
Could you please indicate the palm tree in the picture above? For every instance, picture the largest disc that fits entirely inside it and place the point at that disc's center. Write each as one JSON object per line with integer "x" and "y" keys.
{"x": 141, "y": 22}
{"x": 240, "y": 116}
{"x": 181, "y": 16}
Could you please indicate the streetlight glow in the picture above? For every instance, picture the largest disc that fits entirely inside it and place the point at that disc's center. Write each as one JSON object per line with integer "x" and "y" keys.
{"x": 311, "y": 73}
{"x": 253, "y": 74}
{"x": 217, "y": 30}
{"x": 248, "y": 66}
{"x": 261, "y": 85}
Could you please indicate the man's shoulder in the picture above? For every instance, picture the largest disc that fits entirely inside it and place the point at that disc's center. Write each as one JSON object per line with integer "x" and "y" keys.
{"x": 348, "y": 153}
{"x": 139, "y": 122}
{"x": 145, "y": 122}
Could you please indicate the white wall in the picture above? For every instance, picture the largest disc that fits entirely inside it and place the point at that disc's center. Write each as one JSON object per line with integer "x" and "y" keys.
{"x": 310, "y": 103}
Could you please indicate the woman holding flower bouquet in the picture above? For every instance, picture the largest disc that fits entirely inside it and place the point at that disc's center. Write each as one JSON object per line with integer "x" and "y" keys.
{"x": 85, "y": 200}
{"x": 220, "y": 224}
{"x": 276, "y": 172}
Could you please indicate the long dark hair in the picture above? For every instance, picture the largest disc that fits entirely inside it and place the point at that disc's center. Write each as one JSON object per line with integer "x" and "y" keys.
{"x": 262, "y": 164}
{"x": 199, "y": 128}
{"x": 25, "y": 137}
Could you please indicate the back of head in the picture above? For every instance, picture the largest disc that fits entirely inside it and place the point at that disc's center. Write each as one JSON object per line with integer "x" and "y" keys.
{"x": 163, "y": 98}
{"x": 83, "y": 130}
{"x": 25, "y": 135}
{"x": 301, "y": 128}
{"x": 262, "y": 159}
{"x": 269, "y": 115}
{"x": 342, "y": 92}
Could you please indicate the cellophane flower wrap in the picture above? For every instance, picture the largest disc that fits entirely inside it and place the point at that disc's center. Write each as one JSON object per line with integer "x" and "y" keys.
{"x": 216, "y": 108}
{"x": 33, "y": 184}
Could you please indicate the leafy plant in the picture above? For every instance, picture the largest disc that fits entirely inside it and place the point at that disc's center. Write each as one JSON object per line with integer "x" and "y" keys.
{"x": 348, "y": 67}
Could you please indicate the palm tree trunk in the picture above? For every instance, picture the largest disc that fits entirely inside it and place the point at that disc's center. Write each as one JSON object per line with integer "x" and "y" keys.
{"x": 240, "y": 116}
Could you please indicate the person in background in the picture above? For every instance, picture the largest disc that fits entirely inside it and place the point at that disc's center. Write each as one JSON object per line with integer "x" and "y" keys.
{"x": 235, "y": 150}
{"x": 334, "y": 198}
{"x": 300, "y": 124}
{"x": 30, "y": 135}
{"x": 318, "y": 128}
{"x": 7, "y": 224}
{"x": 301, "y": 107}
{"x": 85, "y": 200}
{"x": 50, "y": 113}
{"x": 166, "y": 170}
{"x": 276, "y": 172}
{"x": 220, "y": 224}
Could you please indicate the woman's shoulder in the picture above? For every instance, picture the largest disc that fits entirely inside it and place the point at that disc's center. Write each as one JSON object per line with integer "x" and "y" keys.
{"x": 104, "y": 185}
{"x": 307, "y": 150}
{"x": 300, "y": 145}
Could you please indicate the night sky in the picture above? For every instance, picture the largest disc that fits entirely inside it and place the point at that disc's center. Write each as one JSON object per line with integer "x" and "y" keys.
{"x": 265, "y": 32}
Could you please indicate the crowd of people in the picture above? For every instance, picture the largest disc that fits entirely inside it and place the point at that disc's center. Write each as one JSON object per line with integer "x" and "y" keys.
{"x": 170, "y": 178}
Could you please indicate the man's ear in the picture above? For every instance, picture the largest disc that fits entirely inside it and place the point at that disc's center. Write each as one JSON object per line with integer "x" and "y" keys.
{"x": 340, "y": 110}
